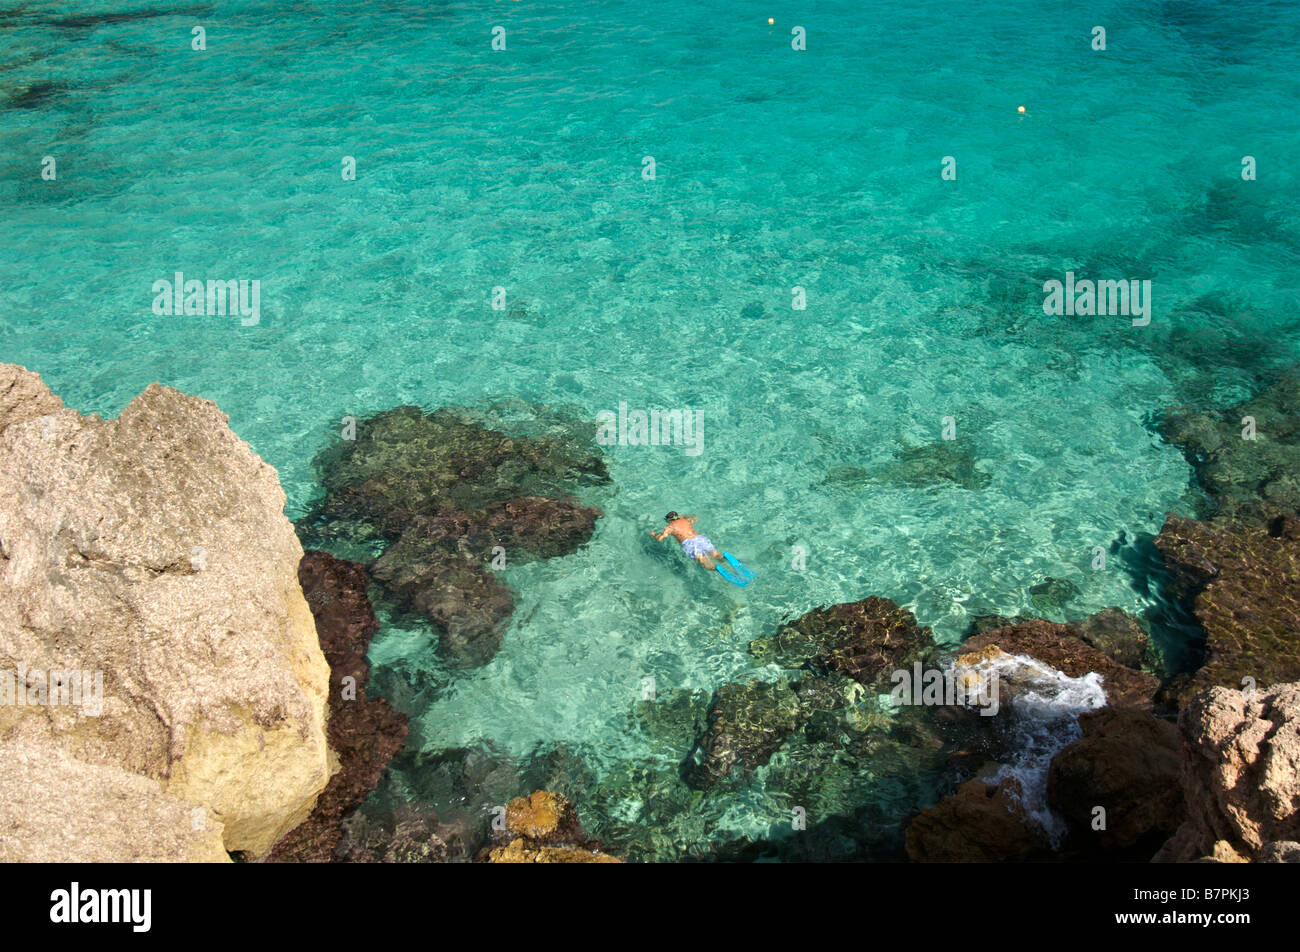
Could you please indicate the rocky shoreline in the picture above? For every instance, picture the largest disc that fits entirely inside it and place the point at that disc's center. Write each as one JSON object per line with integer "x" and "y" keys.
{"x": 154, "y": 550}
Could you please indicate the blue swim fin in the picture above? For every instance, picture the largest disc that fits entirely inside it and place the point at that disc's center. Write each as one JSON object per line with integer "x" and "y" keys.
{"x": 743, "y": 575}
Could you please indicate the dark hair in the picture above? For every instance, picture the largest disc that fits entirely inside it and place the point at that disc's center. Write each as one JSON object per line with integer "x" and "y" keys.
{"x": 670, "y": 517}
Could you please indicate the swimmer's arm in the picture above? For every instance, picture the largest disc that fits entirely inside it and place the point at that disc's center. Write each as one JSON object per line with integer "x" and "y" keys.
{"x": 660, "y": 536}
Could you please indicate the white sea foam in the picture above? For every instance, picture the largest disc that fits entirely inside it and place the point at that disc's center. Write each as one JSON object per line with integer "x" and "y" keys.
{"x": 1041, "y": 719}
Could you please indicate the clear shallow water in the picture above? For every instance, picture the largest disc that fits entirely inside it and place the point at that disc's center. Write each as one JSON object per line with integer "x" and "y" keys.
{"x": 775, "y": 168}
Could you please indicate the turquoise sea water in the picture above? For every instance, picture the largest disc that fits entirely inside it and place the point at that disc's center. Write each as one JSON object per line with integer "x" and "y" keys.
{"x": 775, "y": 168}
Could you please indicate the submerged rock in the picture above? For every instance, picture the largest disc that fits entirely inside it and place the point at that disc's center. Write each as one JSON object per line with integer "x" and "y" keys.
{"x": 747, "y": 723}
{"x": 448, "y": 497}
{"x": 365, "y": 733}
{"x": 673, "y": 719}
{"x": 152, "y": 551}
{"x": 1242, "y": 582}
{"x": 1250, "y": 480}
{"x": 409, "y": 834}
{"x": 932, "y": 464}
{"x": 405, "y": 465}
{"x": 1120, "y": 636}
{"x": 466, "y": 601}
{"x": 866, "y": 640}
{"x": 1240, "y": 775}
{"x": 1051, "y": 595}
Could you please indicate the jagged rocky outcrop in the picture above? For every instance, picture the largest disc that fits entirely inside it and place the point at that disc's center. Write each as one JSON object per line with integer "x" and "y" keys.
{"x": 1240, "y": 776}
{"x": 1242, "y": 582}
{"x": 1062, "y": 647}
{"x": 441, "y": 492}
{"x": 1112, "y": 631}
{"x": 152, "y": 551}
{"x": 1059, "y": 697}
{"x": 365, "y": 733}
{"x": 544, "y": 828}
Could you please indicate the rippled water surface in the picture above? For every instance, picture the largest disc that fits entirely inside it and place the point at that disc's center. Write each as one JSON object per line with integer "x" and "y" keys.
{"x": 774, "y": 168}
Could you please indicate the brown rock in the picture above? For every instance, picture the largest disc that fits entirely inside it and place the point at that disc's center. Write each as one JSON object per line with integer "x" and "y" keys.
{"x": 866, "y": 640}
{"x": 1242, "y": 582}
{"x": 980, "y": 823}
{"x": 543, "y": 817}
{"x": 544, "y": 828}
{"x": 1128, "y": 762}
{"x": 519, "y": 851}
{"x": 1058, "y": 646}
{"x": 365, "y": 733}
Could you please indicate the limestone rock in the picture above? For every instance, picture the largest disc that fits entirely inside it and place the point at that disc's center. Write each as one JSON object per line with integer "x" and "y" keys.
{"x": 57, "y": 809}
{"x": 153, "y": 551}
{"x": 1241, "y": 774}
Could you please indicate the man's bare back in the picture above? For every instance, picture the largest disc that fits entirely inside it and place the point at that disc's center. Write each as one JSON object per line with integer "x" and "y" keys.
{"x": 682, "y": 528}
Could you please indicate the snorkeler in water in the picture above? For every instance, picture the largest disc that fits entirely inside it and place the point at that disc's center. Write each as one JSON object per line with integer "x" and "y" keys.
{"x": 698, "y": 547}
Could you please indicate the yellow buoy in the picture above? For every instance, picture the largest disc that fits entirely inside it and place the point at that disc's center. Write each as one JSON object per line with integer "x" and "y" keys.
{"x": 770, "y": 21}
{"x": 1020, "y": 109}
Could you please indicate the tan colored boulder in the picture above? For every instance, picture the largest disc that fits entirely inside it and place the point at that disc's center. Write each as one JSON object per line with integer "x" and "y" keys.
{"x": 1240, "y": 775}
{"x": 153, "y": 551}
{"x": 57, "y": 809}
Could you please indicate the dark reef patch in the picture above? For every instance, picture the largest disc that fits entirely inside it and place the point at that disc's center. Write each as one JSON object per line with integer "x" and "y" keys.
{"x": 36, "y": 96}
{"x": 364, "y": 732}
{"x": 449, "y": 501}
{"x": 89, "y": 21}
